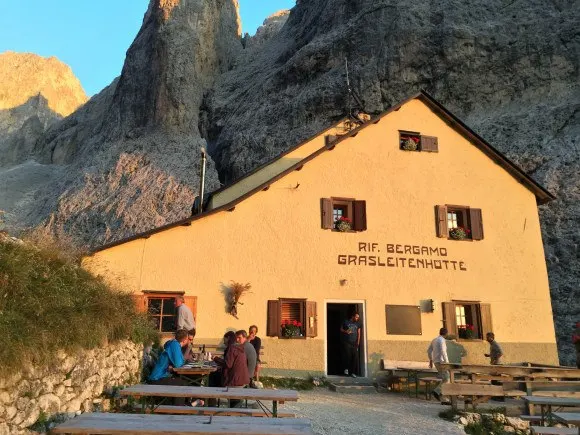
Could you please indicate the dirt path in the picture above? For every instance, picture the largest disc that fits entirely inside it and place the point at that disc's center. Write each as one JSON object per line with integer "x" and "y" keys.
{"x": 370, "y": 414}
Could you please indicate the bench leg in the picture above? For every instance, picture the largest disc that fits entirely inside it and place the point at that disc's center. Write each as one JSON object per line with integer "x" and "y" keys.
{"x": 275, "y": 409}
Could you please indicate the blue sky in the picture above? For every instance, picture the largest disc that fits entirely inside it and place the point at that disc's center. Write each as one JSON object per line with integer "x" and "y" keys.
{"x": 92, "y": 36}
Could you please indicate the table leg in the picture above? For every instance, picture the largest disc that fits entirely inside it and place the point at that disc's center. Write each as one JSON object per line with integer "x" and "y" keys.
{"x": 275, "y": 409}
{"x": 542, "y": 419}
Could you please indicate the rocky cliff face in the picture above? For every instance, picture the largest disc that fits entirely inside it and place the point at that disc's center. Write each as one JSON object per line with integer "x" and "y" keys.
{"x": 35, "y": 92}
{"x": 511, "y": 72}
{"x": 127, "y": 160}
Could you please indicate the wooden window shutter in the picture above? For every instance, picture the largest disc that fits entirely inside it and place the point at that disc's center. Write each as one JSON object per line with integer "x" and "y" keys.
{"x": 429, "y": 144}
{"x": 449, "y": 319}
{"x": 476, "y": 223}
{"x": 360, "y": 215}
{"x": 191, "y": 302}
{"x": 326, "y": 213}
{"x": 140, "y": 302}
{"x": 441, "y": 221}
{"x": 486, "y": 325}
{"x": 311, "y": 319}
{"x": 273, "y": 321}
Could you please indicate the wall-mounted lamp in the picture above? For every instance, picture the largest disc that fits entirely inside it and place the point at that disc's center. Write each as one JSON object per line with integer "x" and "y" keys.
{"x": 428, "y": 305}
{"x": 343, "y": 282}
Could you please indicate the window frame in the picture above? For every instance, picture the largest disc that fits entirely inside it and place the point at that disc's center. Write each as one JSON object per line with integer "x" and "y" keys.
{"x": 347, "y": 203}
{"x": 355, "y": 211}
{"x": 469, "y": 218}
{"x": 429, "y": 144}
{"x": 302, "y": 315}
{"x": 142, "y": 303}
{"x": 308, "y": 317}
{"x": 478, "y": 310}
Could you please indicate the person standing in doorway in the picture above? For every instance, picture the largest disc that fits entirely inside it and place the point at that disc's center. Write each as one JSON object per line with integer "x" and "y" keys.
{"x": 495, "y": 352}
{"x": 437, "y": 353}
{"x": 183, "y": 315}
{"x": 350, "y": 339}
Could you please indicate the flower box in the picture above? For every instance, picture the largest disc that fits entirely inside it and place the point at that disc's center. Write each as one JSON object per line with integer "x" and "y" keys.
{"x": 409, "y": 143}
{"x": 291, "y": 329}
{"x": 459, "y": 233}
{"x": 343, "y": 224}
{"x": 466, "y": 332}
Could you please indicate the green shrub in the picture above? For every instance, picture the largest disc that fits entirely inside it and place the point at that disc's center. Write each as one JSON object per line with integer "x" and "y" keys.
{"x": 48, "y": 302}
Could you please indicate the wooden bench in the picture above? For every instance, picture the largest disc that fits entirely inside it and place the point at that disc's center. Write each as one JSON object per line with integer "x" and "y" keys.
{"x": 149, "y": 424}
{"x": 207, "y": 410}
{"x": 554, "y": 430}
{"x": 144, "y": 392}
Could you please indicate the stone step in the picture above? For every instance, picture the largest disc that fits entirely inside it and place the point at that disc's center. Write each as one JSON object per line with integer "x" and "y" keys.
{"x": 347, "y": 380}
{"x": 358, "y": 388}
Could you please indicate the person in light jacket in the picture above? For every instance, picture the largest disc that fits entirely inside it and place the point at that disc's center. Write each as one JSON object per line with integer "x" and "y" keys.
{"x": 437, "y": 353}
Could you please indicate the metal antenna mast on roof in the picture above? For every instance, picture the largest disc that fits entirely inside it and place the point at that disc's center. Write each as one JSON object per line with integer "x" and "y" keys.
{"x": 353, "y": 112}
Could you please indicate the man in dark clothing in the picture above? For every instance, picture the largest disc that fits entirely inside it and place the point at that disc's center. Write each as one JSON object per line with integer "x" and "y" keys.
{"x": 257, "y": 343}
{"x": 350, "y": 340}
{"x": 187, "y": 350}
{"x": 234, "y": 366}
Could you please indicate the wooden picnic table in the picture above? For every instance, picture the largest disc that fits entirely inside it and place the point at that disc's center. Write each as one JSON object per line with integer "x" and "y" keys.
{"x": 105, "y": 423}
{"x": 276, "y": 396}
{"x": 195, "y": 376}
{"x": 568, "y": 417}
{"x": 546, "y": 404}
{"x": 413, "y": 375}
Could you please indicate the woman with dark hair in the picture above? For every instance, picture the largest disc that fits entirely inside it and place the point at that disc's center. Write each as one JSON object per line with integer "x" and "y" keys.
{"x": 257, "y": 343}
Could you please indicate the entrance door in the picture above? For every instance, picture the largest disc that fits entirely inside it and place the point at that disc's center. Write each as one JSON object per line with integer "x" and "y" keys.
{"x": 336, "y": 313}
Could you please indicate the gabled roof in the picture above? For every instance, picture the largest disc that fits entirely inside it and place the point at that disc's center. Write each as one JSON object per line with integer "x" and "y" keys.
{"x": 542, "y": 195}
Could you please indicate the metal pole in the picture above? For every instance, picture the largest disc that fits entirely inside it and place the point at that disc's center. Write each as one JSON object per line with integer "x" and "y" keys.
{"x": 202, "y": 181}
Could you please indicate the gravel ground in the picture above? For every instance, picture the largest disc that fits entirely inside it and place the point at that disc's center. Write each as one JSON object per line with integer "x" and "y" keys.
{"x": 339, "y": 413}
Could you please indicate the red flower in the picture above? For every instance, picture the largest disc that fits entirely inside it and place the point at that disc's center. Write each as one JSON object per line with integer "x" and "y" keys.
{"x": 343, "y": 219}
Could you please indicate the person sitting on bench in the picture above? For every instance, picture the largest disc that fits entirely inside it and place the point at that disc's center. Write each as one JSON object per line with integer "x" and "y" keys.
{"x": 170, "y": 357}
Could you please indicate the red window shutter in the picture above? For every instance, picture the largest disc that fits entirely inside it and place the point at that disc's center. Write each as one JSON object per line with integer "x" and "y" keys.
{"x": 476, "y": 223}
{"x": 449, "y": 319}
{"x": 273, "y": 322}
{"x": 360, "y": 215}
{"x": 441, "y": 221}
{"x": 486, "y": 325}
{"x": 191, "y": 302}
{"x": 140, "y": 302}
{"x": 429, "y": 144}
{"x": 311, "y": 319}
{"x": 326, "y": 213}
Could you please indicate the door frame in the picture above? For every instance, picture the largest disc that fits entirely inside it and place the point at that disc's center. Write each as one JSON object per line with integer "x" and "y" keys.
{"x": 362, "y": 302}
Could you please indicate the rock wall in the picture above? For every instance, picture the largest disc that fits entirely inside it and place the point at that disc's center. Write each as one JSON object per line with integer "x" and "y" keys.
{"x": 68, "y": 385}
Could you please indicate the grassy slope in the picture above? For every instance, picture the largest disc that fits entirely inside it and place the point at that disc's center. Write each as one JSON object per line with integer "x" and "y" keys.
{"x": 47, "y": 302}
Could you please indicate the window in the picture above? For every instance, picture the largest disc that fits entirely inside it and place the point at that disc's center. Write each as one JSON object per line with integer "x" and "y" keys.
{"x": 291, "y": 318}
{"x": 161, "y": 308}
{"x": 414, "y": 141}
{"x": 467, "y": 320}
{"x": 349, "y": 211}
{"x": 458, "y": 222}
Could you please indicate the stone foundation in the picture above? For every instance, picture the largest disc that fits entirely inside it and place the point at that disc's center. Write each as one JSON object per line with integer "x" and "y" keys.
{"x": 68, "y": 385}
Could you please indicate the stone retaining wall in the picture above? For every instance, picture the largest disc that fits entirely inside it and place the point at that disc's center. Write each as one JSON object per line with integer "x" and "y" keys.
{"x": 68, "y": 385}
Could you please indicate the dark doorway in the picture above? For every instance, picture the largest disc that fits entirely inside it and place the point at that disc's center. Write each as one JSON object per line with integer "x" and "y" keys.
{"x": 335, "y": 315}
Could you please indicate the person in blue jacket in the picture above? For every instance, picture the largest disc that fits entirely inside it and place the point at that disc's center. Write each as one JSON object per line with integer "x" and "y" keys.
{"x": 171, "y": 357}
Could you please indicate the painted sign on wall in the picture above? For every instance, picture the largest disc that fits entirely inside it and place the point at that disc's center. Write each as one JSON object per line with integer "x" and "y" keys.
{"x": 402, "y": 256}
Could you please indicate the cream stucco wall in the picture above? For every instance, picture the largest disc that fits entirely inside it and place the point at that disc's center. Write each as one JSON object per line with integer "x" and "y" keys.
{"x": 274, "y": 241}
